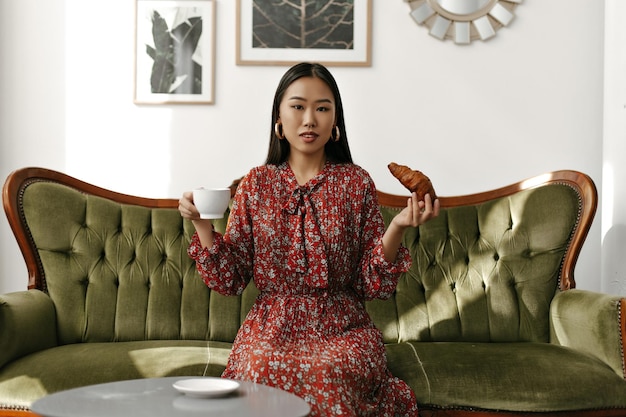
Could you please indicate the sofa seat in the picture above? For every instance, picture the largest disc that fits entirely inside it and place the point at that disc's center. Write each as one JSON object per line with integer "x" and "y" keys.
{"x": 69, "y": 366}
{"x": 471, "y": 375}
{"x": 523, "y": 377}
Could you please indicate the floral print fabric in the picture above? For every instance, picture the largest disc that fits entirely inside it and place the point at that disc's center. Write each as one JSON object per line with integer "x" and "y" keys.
{"x": 315, "y": 254}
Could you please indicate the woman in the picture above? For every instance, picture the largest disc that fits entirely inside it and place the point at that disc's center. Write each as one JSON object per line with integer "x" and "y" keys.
{"x": 306, "y": 228}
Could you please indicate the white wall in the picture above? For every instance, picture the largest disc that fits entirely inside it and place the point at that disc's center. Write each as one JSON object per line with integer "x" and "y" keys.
{"x": 32, "y": 105}
{"x": 614, "y": 167}
{"x": 472, "y": 117}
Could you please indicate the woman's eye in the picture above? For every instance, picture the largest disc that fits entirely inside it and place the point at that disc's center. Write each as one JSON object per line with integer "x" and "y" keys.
{"x": 297, "y": 106}
{"x": 322, "y": 109}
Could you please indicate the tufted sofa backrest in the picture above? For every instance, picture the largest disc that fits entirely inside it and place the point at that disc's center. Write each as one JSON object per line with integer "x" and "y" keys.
{"x": 116, "y": 266}
{"x": 484, "y": 272}
{"x": 119, "y": 271}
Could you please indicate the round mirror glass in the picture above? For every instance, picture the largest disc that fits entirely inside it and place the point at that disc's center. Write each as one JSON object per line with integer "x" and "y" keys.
{"x": 462, "y": 7}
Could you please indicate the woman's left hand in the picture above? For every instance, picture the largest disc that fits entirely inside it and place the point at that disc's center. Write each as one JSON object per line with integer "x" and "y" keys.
{"x": 414, "y": 214}
{"x": 417, "y": 212}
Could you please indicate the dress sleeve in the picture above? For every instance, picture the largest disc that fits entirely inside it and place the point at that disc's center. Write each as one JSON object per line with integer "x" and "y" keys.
{"x": 377, "y": 277}
{"x": 227, "y": 266}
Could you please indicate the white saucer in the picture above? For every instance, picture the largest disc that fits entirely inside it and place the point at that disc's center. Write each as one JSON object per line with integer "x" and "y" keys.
{"x": 208, "y": 387}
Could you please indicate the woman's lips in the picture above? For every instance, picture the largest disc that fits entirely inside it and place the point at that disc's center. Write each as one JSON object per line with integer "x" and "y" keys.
{"x": 309, "y": 136}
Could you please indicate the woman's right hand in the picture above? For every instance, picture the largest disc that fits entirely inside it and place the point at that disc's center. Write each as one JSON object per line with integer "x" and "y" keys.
{"x": 204, "y": 227}
{"x": 186, "y": 207}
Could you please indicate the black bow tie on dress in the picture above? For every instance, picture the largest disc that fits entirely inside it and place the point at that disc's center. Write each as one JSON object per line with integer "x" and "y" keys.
{"x": 307, "y": 253}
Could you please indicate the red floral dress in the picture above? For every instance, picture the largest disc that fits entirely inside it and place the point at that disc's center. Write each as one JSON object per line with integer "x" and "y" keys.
{"x": 315, "y": 254}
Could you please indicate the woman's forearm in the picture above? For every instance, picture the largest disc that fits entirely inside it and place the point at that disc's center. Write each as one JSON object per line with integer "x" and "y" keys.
{"x": 204, "y": 228}
{"x": 392, "y": 239}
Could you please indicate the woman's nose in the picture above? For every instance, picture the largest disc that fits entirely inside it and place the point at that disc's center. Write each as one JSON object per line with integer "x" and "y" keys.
{"x": 309, "y": 119}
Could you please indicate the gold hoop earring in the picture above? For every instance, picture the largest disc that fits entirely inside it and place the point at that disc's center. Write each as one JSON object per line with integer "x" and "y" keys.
{"x": 278, "y": 130}
{"x": 337, "y": 134}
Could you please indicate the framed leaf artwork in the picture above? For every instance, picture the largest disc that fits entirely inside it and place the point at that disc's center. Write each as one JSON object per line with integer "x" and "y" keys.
{"x": 332, "y": 32}
{"x": 174, "y": 52}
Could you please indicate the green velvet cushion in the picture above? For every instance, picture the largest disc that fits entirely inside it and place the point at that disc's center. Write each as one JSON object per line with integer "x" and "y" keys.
{"x": 75, "y": 365}
{"x": 121, "y": 273}
{"x": 483, "y": 273}
{"x": 506, "y": 376}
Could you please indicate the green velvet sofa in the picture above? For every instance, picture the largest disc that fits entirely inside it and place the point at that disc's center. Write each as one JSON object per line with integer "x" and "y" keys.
{"x": 487, "y": 322}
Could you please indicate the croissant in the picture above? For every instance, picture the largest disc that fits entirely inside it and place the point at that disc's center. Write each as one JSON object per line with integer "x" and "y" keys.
{"x": 414, "y": 181}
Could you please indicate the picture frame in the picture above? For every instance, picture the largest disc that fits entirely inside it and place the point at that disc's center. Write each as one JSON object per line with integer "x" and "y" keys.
{"x": 338, "y": 33}
{"x": 174, "y": 52}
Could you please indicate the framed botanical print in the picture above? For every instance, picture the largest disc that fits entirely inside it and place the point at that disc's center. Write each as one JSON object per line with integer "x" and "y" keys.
{"x": 174, "y": 52}
{"x": 332, "y": 32}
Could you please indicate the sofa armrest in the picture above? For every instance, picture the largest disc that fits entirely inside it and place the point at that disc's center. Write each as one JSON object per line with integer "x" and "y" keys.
{"x": 593, "y": 323}
{"x": 27, "y": 324}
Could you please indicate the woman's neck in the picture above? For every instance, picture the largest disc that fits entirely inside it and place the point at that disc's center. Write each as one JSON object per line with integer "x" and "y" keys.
{"x": 306, "y": 168}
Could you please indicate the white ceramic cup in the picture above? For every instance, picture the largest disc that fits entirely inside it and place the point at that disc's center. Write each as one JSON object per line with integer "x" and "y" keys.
{"x": 211, "y": 202}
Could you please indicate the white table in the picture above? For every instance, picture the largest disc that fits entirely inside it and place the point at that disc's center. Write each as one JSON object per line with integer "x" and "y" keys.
{"x": 156, "y": 397}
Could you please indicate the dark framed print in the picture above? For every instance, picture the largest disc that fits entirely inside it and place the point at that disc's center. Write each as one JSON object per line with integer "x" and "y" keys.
{"x": 332, "y": 32}
{"x": 174, "y": 52}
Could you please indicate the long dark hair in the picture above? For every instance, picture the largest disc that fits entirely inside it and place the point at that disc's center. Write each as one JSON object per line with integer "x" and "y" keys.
{"x": 336, "y": 151}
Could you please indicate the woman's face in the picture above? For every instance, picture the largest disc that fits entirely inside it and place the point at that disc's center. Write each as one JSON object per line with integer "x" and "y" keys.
{"x": 307, "y": 115}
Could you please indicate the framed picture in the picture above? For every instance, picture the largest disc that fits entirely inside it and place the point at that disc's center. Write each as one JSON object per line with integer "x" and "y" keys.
{"x": 332, "y": 32}
{"x": 174, "y": 52}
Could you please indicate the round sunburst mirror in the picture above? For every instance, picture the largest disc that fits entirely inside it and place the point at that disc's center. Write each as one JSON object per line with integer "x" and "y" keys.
{"x": 463, "y": 21}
